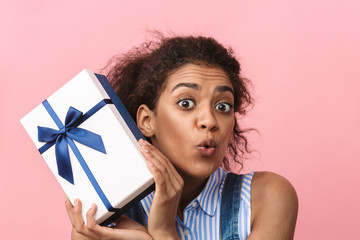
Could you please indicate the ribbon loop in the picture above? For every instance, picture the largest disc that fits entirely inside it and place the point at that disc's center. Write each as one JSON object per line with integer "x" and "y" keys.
{"x": 73, "y": 117}
{"x": 47, "y": 134}
{"x": 61, "y": 137}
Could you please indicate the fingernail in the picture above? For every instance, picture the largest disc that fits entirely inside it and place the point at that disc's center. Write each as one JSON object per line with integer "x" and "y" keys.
{"x": 149, "y": 163}
{"x": 144, "y": 148}
{"x": 147, "y": 143}
{"x": 92, "y": 205}
{"x": 76, "y": 202}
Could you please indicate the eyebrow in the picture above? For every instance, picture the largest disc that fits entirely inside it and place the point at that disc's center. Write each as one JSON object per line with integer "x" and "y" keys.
{"x": 225, "y": 89}
{"x": 189, "y": 85}
{"x": 196, "y": 87}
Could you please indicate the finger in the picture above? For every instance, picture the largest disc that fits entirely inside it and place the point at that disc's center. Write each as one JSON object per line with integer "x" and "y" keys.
{"x": 157, "y": 164}
{"x": 166, "y": 162}
{"x": 95, "y": 230}
{"x": 90, "y": 218}
{"x": 148, "y": 152}
{"x": 69, "y": 209}
{"x": 153, "y": 150}
{"x": 160, "y": 156}
{"x": 164, "y": 183}
{"x": 162, "y": 162}
{"x": 91, "y": 225}
{"x": 78, "y": 219}
{"x": 164, "y": 172}
{"x": 152, "y": 153}
{"x": 162, "y": 179}
{"x": 168, "y": 185}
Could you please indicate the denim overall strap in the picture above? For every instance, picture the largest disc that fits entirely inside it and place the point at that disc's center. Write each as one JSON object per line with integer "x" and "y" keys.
{"x": 230, "y": 203}
{"x": 137, "y": 213}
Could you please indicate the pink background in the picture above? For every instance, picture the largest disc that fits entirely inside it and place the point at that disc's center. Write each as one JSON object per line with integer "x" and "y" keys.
{"x": 303, "y": 58}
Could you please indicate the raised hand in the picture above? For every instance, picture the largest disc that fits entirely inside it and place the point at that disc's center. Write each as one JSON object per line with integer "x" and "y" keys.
{"x": 168, "y": 189}
{"x": 161, "y": 219}
{"x": 125, "y": 228}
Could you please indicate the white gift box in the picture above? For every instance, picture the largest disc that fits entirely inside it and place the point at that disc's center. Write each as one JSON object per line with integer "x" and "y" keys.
{"x": 113, "y": 178}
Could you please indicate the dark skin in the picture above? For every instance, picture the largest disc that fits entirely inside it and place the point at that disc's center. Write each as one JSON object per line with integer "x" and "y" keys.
{"x": 191, "y": 192}
{"x": 181, "y": 167}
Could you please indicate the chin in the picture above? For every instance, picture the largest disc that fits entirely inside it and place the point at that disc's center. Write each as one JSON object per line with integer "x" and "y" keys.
{"x": 201, "y": 172}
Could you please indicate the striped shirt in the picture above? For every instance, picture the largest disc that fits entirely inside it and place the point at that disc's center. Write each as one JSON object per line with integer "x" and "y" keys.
{"x": 202, "y": 216}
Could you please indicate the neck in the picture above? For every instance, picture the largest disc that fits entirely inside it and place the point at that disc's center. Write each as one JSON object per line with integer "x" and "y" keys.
{"x": 192, "y": 188}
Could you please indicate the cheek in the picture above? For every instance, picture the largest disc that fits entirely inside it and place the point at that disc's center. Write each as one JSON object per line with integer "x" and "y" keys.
{"x": 171, "y": 129}
{"x": 229, "y": 131}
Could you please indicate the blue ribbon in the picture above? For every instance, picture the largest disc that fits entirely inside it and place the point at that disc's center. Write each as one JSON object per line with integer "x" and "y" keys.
{"x": 66, "y": 135}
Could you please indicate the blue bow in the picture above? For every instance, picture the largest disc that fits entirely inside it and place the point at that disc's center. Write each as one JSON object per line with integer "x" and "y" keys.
{"x": 65, "y": 134}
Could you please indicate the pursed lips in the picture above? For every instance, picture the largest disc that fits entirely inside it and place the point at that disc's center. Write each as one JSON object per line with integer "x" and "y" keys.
{"x": 206, "y": 148}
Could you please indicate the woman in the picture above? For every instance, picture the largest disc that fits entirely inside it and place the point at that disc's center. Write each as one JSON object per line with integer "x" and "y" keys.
{"x": 184, "y": 93}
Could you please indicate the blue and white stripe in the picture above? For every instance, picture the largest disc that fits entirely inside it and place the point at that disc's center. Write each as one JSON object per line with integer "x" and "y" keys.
{"x": 202, "y": 216}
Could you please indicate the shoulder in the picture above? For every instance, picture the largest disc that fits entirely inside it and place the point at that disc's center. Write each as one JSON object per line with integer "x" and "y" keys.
{"x": 274, "y": 204}
{"x": 272, "y": 185}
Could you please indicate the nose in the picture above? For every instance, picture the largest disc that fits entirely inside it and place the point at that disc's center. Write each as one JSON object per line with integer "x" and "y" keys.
{"x": 207, "y": 119}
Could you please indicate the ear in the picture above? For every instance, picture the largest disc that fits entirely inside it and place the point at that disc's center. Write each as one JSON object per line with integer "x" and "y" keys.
{"x": 144, "y": 118}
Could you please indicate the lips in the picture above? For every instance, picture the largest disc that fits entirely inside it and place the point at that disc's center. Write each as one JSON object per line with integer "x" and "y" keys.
{"x": 206, "y": 148}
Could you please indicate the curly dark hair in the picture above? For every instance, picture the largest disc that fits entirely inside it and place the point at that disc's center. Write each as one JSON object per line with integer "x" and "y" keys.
{"x": 139, "y": 77}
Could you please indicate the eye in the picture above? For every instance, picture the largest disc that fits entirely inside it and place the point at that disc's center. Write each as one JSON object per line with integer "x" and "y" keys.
{"x": 186, "y": 103}
{"x": 223, "y": 107}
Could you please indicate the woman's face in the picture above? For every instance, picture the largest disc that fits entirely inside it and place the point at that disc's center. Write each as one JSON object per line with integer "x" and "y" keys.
{"x": 194, "y": 119}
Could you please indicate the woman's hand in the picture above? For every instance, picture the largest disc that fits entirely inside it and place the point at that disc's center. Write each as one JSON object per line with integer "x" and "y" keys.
{"x": 168, "y": 189}
{"x": 161, "y": 219}
{"x": 125, "y": 227}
